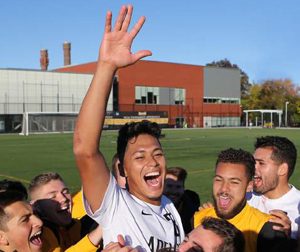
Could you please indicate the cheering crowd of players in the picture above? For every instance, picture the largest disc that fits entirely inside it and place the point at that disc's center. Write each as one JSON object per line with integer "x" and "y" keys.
{"x": 142, "y": 205}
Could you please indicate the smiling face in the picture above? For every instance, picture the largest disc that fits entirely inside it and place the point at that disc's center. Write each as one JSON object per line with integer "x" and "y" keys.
{"x": 53, "y": 202}
{"x": 23, "y": 229}
{"x": 145, "y": 168}
{"x": 201, "y": 239}
{"x": 229, "y": 189}
{"x": 266, "y": 177}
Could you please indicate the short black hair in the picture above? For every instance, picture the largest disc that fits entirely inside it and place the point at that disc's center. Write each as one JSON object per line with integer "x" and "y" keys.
{"x": 238, "y": 156}
{"x": 13, "y": 185}
{"x": 42, "y": 179}
{"x": 233, "y": 239}
{"x": 283, "y": 150}
{"x": 7, "y": 198}
{"x": 131, "y": 130}
{"x": 179, "y": 172}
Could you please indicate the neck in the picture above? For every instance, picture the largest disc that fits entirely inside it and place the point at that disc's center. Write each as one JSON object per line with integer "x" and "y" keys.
{"x": 278, "y": 192}
{"x": 152, "y": 201}
{"x": 155, "y": 202}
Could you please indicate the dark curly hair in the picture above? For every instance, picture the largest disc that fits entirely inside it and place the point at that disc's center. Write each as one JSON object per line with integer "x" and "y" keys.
{"x": 233, "y": 239}
{"x": 131, "y": 130}
{"x": 283, "y": 150}
{"x": 238, "y": 156}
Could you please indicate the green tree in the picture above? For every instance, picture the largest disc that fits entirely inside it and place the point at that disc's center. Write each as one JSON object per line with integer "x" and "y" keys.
{"x": 251, "y": 101}
{"x": 273, "y": 94}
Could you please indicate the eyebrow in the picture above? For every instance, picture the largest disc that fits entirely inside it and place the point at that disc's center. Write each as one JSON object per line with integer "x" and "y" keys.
{"x": 233, "y": 178}
{"x": 187, "y": 238}
{"x": 24, "y": 216}
{"x": 52, "y": 192}
{"x": 143, "y": 150}
{"x": 198, "y": 246}
{"x": 56, "y": 191}
{"x": 139, "y": 151}
{"x": 238, "y": 179}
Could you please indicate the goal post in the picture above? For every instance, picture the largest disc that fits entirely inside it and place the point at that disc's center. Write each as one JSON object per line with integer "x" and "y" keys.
{"x": 64, "y": 122}
{"x": 48, "y": 122}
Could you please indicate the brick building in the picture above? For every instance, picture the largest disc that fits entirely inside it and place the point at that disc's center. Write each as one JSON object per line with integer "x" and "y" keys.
{"x": 191, "y": 95}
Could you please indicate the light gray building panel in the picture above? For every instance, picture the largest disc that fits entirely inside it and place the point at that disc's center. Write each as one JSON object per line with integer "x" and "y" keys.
{"x": 164, "y": 96}
{"x": 42, "y": 91}
{"x": 221, "y": 82}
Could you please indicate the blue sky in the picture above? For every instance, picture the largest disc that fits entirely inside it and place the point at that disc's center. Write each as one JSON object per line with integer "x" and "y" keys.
{"x": 261, "y": 36}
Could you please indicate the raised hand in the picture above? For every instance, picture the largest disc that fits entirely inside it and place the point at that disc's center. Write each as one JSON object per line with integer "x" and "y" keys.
{"x": 116, "y": 44}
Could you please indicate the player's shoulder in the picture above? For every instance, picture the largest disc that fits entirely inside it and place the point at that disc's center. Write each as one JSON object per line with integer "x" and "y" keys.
{"x": 295, "y": 190}
{"x": 259, "y": 214}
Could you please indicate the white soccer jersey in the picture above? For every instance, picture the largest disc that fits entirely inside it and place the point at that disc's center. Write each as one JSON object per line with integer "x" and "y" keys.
{"x": 143, "y": 225}
{"x": 289, "y": 202}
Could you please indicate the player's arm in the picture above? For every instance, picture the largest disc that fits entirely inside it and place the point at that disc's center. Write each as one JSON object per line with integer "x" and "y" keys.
{"x": 114, "y": 53}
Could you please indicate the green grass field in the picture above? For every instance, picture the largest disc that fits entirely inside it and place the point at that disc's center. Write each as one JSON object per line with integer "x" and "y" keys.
{"x": 194, "y": 149}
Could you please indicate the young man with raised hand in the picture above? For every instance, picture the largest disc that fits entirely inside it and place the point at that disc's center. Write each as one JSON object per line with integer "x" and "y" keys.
{"x": 275, "y": 158}
{"x": 233, "y": 178}
{"x": 142, "y": 215}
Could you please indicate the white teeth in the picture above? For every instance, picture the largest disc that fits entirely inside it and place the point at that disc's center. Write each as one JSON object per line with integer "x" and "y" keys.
{"x": 38, "y": 233}
{"x": 224, "y": 197}
{"x": 152, "y": 174}
{"x": 64, "y": 208}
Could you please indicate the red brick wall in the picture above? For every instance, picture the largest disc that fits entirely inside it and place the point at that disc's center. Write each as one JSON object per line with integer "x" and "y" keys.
{"x": 161, "y": 74}
{"x": 222, "y": 109}
{"x": 88, "y": 68}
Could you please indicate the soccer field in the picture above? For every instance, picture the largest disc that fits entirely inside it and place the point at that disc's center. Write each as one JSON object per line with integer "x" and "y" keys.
{"x": 23, "y": 157}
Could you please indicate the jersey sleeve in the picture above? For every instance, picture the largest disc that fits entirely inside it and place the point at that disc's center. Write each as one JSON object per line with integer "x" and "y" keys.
{"x": 104, "y": 214}
{"x": 272, "y": 240}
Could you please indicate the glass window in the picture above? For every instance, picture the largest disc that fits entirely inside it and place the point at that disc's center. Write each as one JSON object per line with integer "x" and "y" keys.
{"x": 151, "y": 95}
{"x": 221, "y": 100}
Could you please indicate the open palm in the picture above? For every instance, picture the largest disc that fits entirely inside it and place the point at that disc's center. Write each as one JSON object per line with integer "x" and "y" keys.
{"x": 116, "y": 44}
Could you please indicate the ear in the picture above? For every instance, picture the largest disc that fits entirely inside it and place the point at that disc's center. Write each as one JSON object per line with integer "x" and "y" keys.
{"x": 121, "y": 169}
{"x": 3, "y": 239}
{"x": 250, "y": 186}
{"x": 283, "y": 169}
{"x": 125, "y": 172}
